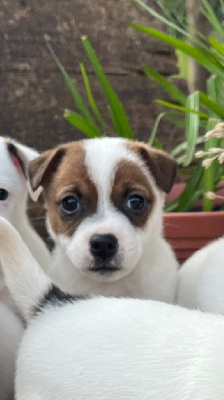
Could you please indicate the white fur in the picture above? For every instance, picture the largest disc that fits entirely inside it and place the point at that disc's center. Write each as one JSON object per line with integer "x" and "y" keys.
{"x": 149, "y": 267}
{"x": 16, "y": 262}
{"x": 126, "y": 349}
{"x": 10, "y": 335}
{"x": 109, "y": 348}
{"x": 14, "y": 210}
{"x": 201, "y": 279}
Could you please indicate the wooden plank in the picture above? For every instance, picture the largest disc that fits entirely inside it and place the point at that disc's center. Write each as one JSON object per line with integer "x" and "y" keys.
{"x": 33, "y": 93}
{"x": 121, "y": 49}
{"x": 33, "y": 112}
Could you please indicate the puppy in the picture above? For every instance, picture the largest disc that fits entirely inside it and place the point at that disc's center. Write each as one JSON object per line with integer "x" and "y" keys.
{"x": 10, "y": 335}
{"x": 201, "y": 279}
{"x": 108, "y": 348}
{"x": 13, "y": 203}
{"x": 104, "y": 200}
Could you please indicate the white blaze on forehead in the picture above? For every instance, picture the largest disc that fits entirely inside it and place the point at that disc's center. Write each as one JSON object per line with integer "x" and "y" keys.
{"x": 102, "y": 157}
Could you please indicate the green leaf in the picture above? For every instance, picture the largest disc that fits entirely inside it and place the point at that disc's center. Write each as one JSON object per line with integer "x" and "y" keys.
{"x": 192, "y": 126}
{"x": 152, "y": 138}
{"x": 188, "y": 202}
{"x": 119, "y": 117}
{"x": 211, "y": 105}
{"x": 192, "y": 191}
{"x": 213, "y": 86}
{"x": 172, "y": 89}
{"x": 184, "y": 109}
{"x": 210, "y": 15}
{"x": 161, "y": 18}
{"x": 183, "y": 65}
{"x": 215, "y": 89}
{"x": 82, "y": 124}
{"x": 216, "y": 45}
{"x": 196, "y": 195}
{"x": 175, "y": 7}
{"x": 183, "y": 146}
{"x": 200, "y": 56}
{"x": 155, "y": 128}
{"x": 209, "y": 173}
{"x": 91, "y": 97}
{"x": 78, "y": 99}
{"x": 222, "y": 6}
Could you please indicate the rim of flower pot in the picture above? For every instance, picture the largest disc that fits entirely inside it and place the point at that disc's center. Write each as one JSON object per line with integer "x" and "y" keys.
{"x": 194, "y": 224}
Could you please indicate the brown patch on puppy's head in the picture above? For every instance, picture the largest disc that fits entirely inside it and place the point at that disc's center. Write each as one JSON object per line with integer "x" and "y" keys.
{"x": 67, "y": 185}
{"x": 162, "y": 167}
{"x": 132, "y": 189}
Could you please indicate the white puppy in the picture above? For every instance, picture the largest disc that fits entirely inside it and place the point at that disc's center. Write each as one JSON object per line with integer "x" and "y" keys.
{"x": 108, "y": 348}
{"x": 13, "y": 204}
{"x": 13, "y": 201}
{"x": 201, "y": 279}
{"x": 10, "y": 335}
{"x": 104, "y": 200}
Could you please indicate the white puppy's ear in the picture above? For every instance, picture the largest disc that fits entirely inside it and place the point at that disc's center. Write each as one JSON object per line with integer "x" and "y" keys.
{"x": 21, "y": 156}
{"x": 25, "y": 279}
{"x": 160, "y": 164}
{"x": 43, "y": 167}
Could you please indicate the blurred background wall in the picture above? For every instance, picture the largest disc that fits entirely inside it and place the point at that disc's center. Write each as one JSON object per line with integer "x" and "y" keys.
{"x": 33, "y": 94}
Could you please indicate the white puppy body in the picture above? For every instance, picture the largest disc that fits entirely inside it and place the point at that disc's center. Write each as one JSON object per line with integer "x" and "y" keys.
{"x": 201, "y": 279}
{"x": 108, "y": 348}
{"x": 14, "y": 157}
{"x": 13, "y": 204}
{"x": 104, "y": 176}
{"x": 10, "y": 335}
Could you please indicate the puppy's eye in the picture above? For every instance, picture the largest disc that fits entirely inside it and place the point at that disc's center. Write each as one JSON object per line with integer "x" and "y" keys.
{"x": 70, "y": 204}
{"x": 3, "y": 194}
{"x": 136, "y": 202}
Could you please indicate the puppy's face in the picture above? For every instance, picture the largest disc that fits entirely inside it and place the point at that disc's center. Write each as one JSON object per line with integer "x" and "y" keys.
{"x": 104, "y": 201}
{"x": 14, "y": 158}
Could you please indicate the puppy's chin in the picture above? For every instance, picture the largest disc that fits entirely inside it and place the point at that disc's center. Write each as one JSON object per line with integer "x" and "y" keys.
{"x": 106, "y": 275}
{"x": 99, "y": 272}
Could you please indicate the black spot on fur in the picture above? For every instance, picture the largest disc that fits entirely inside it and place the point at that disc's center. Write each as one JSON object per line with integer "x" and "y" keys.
{"x": 55, "y": 297}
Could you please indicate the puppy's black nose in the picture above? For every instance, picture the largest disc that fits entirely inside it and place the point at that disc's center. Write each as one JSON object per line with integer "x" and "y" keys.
{"x": 103, "y": 246}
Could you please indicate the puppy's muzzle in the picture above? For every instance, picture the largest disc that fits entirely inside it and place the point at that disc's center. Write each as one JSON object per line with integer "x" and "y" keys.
{"x": 103, "y": 248}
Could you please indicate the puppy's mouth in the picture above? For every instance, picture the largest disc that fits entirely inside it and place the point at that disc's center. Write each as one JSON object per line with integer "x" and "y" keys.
{"x": 104, "y": 268}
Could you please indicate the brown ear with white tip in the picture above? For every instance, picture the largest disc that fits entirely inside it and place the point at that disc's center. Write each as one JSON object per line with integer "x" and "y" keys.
{"x": 160, "y": 164}
{"x": 43, "y": 167}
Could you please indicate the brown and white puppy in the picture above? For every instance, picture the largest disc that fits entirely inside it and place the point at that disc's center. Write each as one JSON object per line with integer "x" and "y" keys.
{"x": 104, "y": 200}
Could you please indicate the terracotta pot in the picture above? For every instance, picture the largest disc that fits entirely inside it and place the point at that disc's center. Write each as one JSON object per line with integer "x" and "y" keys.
{"x": 189, "y": 231}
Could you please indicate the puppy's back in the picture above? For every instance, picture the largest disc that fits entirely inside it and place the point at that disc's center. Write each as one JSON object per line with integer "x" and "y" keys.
{"x": 201, "y": 279}
{"x": 10, "y": 336}
{"x": 106, "y": 348}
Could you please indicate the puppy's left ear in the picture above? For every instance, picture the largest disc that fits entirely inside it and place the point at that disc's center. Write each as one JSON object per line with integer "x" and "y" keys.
{"x": 20, "y": 155}
{"x": 160, "y": 164}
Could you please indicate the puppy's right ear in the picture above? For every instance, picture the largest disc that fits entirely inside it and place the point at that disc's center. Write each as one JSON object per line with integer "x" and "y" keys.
{"x": 41, "y": 169}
